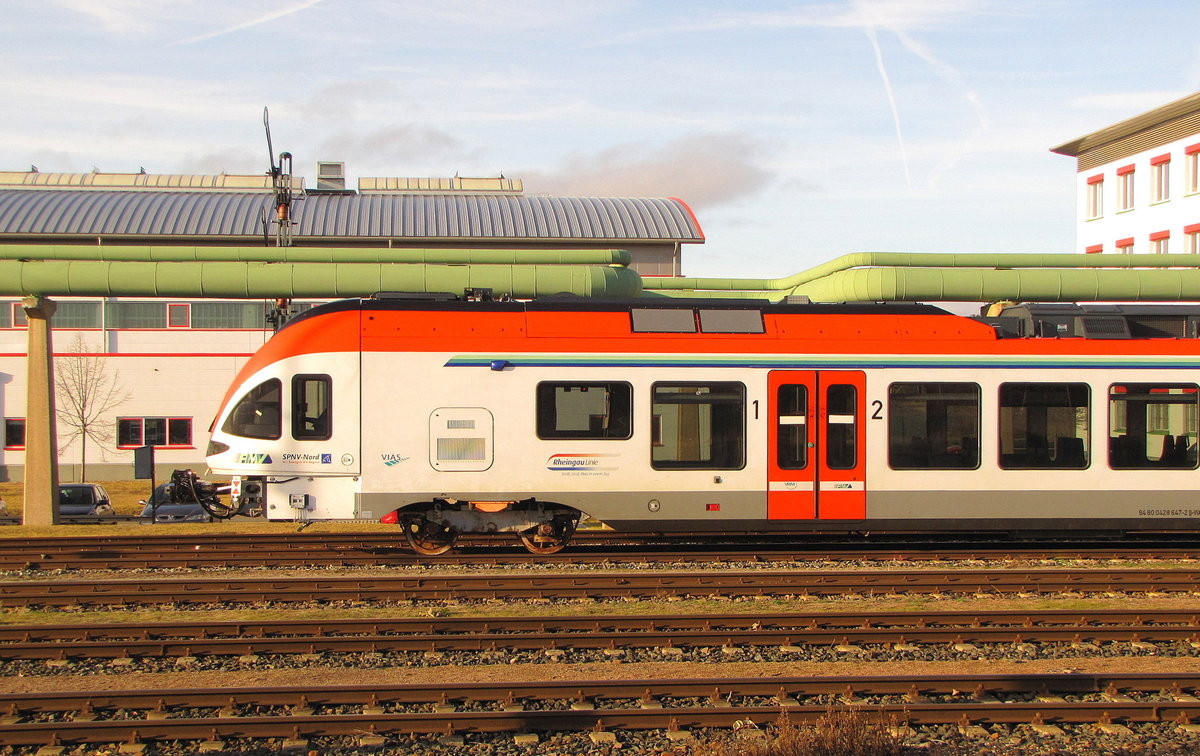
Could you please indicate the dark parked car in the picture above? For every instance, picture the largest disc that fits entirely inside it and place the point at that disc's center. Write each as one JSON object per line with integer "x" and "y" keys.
{"x": 162, "y": 509}
{"x": 83, "y": 500}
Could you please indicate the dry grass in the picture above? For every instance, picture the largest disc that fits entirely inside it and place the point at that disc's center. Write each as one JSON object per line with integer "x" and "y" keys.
{"x": 839, "y": 732}
{"x": 125, "y": 495}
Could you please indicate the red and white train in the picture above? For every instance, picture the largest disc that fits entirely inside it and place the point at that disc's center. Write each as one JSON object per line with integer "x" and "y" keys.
{"x": 452, "y": 417}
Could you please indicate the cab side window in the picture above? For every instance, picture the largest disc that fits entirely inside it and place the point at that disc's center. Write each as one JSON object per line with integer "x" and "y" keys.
{"x": 311, "y": 403}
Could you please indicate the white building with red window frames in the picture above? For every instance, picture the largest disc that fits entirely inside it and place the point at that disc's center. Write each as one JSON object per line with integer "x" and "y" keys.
{"x": 173, "y": 359}
{"x": 1138, "y": 183}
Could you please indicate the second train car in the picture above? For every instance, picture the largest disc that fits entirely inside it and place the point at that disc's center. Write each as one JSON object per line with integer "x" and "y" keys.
{"x": 449, "y": 416}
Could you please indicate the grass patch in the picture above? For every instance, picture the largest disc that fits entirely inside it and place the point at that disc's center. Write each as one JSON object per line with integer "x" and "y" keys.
{"x": 839, "y": 732}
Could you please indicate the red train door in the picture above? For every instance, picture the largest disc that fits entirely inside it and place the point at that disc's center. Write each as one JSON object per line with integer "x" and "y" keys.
{"x": 816, "y": 467}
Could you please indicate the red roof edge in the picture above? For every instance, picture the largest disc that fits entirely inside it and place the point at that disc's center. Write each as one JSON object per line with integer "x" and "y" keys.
{"x": 695, "y": 222}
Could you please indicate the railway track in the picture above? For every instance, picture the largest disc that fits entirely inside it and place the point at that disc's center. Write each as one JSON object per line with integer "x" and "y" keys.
{"x": 613, "y": 634}
{"x": 374, "y": 712}
{"x": 215, "y": 550}
{"x": 597, "y": 585}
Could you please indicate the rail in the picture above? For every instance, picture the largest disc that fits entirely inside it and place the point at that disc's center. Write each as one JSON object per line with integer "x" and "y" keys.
{"x": 605, "y": 585}
{"x": 298, "y": 713}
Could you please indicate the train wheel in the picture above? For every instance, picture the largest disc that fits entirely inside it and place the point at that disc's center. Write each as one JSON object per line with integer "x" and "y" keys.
{"x": 549, "y": 537}
{"x": 428, "y": 537}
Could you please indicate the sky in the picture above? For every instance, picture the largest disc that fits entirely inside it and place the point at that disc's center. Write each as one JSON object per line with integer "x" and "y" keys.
{"x": 796, "y": 131}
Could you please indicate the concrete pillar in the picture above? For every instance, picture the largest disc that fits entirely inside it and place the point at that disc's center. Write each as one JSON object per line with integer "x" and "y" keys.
{"x": 41, "y": 436}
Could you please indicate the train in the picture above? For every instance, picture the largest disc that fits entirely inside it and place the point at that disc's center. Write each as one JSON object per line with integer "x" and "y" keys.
{"x": 451, "y": 415}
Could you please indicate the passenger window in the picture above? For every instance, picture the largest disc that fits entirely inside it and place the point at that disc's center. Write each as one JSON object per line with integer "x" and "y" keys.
{"x": 933, "y": 426}
{"x": 698, "y": 426}
{"x": 311, "y": 407}
{"x": 584, "y": 410}
{"x": 1152, "y": 426}
{"x": 258, "y": 413}
{"x": 841, "y": 436}
{"x": 1044, "y": 426}
{"x": 792, "y": 448}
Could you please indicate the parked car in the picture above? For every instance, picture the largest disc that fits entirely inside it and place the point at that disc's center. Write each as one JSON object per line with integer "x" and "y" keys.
{"x": 84, "y": 500}
{"x": 160, "y": 508}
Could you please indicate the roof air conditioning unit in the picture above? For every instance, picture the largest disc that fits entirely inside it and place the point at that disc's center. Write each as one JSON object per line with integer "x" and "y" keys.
{"x": 331, "y": 176}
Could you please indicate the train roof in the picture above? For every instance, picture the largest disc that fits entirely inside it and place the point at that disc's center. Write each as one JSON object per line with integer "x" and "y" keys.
{"x": 438, "y": 302}
{"x": 746, "y": 316}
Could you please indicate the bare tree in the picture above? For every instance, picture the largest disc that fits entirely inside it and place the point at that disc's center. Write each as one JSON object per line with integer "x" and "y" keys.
{"x": 86, "y": 392}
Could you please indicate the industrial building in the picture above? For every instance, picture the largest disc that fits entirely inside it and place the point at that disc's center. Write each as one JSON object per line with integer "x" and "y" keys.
{"x": 1138, "y": 183}
{"x": 164, "y": 363}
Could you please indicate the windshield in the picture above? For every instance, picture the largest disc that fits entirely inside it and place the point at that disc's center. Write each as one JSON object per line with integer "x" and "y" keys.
{"x": 257, "y": 414}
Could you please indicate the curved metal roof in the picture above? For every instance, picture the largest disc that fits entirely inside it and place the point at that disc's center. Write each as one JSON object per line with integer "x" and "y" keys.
{"x": 147, "y": 213}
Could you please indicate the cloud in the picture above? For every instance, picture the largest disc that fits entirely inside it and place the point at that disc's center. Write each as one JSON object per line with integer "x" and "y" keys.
{"x": 265, "y": 18}
{"x": 1133, "y": 102}
{"x": 460, "y": 15}
{"x": 236, "y": 160}
{"x": 124, "y": 17}
{"x": 339, "y": 100}
{"x": 406, "y": 143}
{"x": 894, "y": 15}
{"x": 702, "y": 169}
{"x": 907, "y": 15}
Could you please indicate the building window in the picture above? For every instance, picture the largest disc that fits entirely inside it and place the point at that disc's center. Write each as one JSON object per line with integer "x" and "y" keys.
{"x": 584, "y": 410}
{"x": 14, "y": 433}
{"x": 1125, "y": 188}
{"x": 179, "y": 316}
{"x": 933, "y": 426}
{"x": 1160, "y": 243}
{"x": 248, "y": 315}
{"x": 311, "y": 404}
{"x": 133, "y": 432}
{"x": 1191, "y": 179}
{"x": 1044, "y": 425}
{"x": 66, "y": 315}
{"x": 1095, "y": 197}
{"x": 1192, "y": 234}
{"x": 1152, "y": 426}
{"x": 698, "y": 426}
{"x": 1124, "y": 246}
{"x": 1160, "y": 178}
{"x": 136, "y": 315}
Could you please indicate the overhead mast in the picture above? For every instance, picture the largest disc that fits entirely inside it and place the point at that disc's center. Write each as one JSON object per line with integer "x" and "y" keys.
{"x": 281, "y": 186}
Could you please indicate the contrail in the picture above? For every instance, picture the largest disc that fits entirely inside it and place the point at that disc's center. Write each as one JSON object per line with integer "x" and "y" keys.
{"x": 887, "y": 86}
{"x": 252, "y": 22}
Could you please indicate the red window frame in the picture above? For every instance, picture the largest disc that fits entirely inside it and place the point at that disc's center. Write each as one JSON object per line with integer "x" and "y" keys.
{"x": 168, "y": 421}
{"x": 19, "y": 319}
{"x": 10, "y": 446}
{"x": 183, "y": 307}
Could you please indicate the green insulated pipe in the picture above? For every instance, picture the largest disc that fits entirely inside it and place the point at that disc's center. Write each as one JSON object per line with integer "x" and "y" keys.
{"x": 982, "y": 285}
{"x": 965, "y": 278}
{"x": 253, "y": 280}
{"x": 448, "y": 256}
